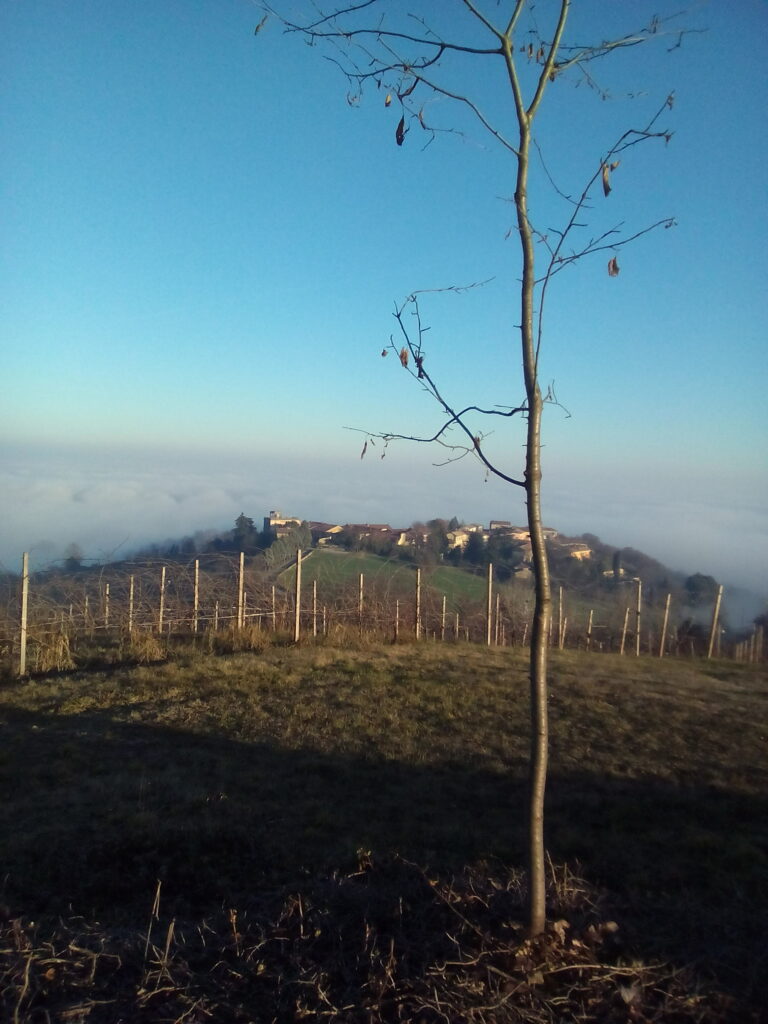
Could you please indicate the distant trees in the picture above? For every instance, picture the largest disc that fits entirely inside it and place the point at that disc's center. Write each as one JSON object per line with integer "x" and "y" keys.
{"x": 284, "y": 549}
{"x": 73, "y": 557}
{"x": 245, "y": 536}
{"x": 700, "y": 590}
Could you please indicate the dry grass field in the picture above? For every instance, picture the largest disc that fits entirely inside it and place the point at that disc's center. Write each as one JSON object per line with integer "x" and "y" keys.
{"x": 337, "y": 834}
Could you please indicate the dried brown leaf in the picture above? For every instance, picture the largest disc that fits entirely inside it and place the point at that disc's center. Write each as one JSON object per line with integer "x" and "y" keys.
{"x": 400, "y": 133}
{"x": 606, "y": 179}
{"x": 613, "y": 267}
{"x": 388, "y": 99}
{"x": 404, "y": 356}
{"x": 383, "y": 353}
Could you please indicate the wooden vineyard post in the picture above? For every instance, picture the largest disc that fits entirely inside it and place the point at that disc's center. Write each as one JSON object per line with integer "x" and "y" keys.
{"x": 240, "y": 590}
{"x": 442, "y": 620}
{"x": 589, "y": 630}
{"x": 297, "y": 610}
{"x": 663, "y": 641}
{"x": 489, "y": 605}
{"x": 560, "y": 619}
{"x": 162, "y": 601}
{"x": 715, "y": 617}
{"x": 196, "y": 606}
{"x": 624, "y": 629}
{"x": 314, "y": 607}
{"x": 360, "y": 598}
{"x": 274, "y": 610}
{"x": 417, "y": 616}
{"x": 397, "y": 620}
{"x": 497, "y": 620}
{"x": 23, "y": 614}
{"x": 106, "y": 606}
{"x": 216, "y": 617}
{"x": 563, "y": 632}
{"x": 130, "y": 604}
{"x": 638, "y": 611}
{"x": 456, "y": 627}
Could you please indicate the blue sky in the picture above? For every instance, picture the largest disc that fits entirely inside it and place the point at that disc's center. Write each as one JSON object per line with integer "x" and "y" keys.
{"x": 203, "y": 243}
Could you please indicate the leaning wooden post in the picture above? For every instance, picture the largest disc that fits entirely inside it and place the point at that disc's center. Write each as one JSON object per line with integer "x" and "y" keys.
{"x": 23, "y": 615}
{"x": 162, "y": 601}
{"x": 589, "y": 631}
{"x": 417, "y": 616}
{"x": 240, "y": 589}
{"x": 196, "y": 609}
{"x": 638, "y": 611}
{"x": 715, "y": 617}
{"x": 130, "y": 605}
{"x": 489, "y": 605}
{"x": 663, "y": 641}
{"x": 624, "y": 629}
{"x": 297, "y": 610}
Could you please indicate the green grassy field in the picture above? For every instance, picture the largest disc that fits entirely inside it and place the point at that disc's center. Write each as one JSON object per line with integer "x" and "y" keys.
{"x": 335, "y": 568}
{"x": 229, "y": 779}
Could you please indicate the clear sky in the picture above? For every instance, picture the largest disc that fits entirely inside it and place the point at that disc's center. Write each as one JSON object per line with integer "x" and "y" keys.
{"x": 203, "y": 242}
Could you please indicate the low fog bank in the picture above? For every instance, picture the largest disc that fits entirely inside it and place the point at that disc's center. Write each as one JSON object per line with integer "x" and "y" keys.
{"x": 113, "y": 502}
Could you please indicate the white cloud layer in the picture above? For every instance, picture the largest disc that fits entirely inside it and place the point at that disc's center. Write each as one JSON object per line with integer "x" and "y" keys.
{"x": 111, "y": 502}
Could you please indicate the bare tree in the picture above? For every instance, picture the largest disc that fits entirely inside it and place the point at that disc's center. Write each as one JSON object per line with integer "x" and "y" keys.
{"x": 377, "y": 42}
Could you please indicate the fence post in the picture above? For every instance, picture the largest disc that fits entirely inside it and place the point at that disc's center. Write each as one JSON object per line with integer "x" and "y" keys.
{"x": 560, "y": 619}
{"x": 397, "y": 619}
{"x": 624, "y": 629}
{"x": 489, "y": 605}
{"x": 637, "y": 616}
{"x": 442, "y": 620}
{"x": 196, "y": 612}
{"x": 23, "y": 615}
{"x": 240, "y": 590}
{"x": 715, "y": 616}
{"x": 496, "y": 627}
{"x": 314, "y": 607}
{"x": 663, "y": 642}
{"x": 417, "y": 617}
{"x": 297, "y": 615}
{"x": 216, "y": 617}
{"x": 360, "y": 592}
{"x": 106, "y": 606}
{"x": 130, "y": 605}
{"x": 162, "y": 601}
{"x": 589, "y": 631}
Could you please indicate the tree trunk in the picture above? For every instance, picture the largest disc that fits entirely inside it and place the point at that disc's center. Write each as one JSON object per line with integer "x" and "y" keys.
{"x": 543, "y": 604}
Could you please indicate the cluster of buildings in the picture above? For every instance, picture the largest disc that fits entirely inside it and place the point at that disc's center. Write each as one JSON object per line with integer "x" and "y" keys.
{"x": 328, "y": 533}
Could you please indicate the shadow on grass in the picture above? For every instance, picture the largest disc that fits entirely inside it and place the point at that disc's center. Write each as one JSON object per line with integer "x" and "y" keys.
{"x": 95, "y": 811}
